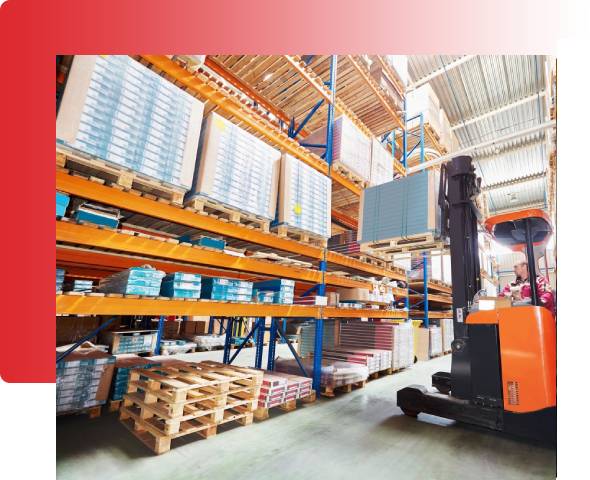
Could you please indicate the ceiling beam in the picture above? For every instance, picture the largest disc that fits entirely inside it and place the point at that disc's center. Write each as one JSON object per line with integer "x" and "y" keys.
{"x": 514, "y": 181}
{"x": 496, "y": 111}
{"x": 440, "y": 71}
{"x": 467, "y": 150}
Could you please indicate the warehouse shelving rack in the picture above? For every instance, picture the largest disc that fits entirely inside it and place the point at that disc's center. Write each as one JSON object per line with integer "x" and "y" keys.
{"x": 100, "y": 251}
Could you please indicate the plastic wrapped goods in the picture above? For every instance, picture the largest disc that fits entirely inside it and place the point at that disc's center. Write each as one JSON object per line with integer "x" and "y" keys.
{"x": 416, "y": 213}
{"x": 381, "y": 164}
{"x": 116, "y": 109}
{"x": 83, "y": 379}
{"x": 133, "y": 281}
{"x": 448, "y": 335}
{"x": 305, "y": 197}
{"x": 350, "y": 147}
{"x": 181, "y": 285}
{"x": 423, "y": 100}
{"x": 236, "y": 168}
{"x": 399, "y": 63}
{"x": 225, "y": 289}
{"x": 334, "y": 373}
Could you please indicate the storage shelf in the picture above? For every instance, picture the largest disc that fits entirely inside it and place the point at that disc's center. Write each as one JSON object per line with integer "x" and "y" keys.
{"x": 231, "y": 105}
{"x": 419, "y": 286}
{"x": 111, "y": 239}
{"x": 103, "y": 305}
{"x": 81, "y": 187}
{"x": 432, "y": 297}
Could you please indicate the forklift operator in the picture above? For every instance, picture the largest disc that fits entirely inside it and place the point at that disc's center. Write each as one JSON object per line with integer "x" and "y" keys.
{"x": 520, "y": 289}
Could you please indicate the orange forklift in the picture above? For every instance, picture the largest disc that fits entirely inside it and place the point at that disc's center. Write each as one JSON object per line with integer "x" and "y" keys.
{"x": 503, "y": 370}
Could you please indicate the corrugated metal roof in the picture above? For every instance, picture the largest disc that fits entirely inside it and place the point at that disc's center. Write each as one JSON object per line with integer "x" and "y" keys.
{"x": 477, "y": 88}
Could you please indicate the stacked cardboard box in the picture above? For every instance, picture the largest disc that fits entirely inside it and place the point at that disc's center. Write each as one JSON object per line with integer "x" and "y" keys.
{"x": 134, "y": 281}
{"x": 448, "y": 335}
{"x": 305, "y": 197}
{"x": 196, "y": 326}
{"x": 423, "y": 100}
{"x": 236, "y": 168}
{"x": 215, "y": 288}
{"x": 123, "y": 365}
{"x": 116, "y": 109}
{"x": 381, "y": 164}
{"x": 181, "y": 285}
{"x": 428, "y": 342}
{"x": 344, "y": 243}
{"x": 278, "y": 388}
{"x": 280, "y": 290}
{"x": 416, "y": 213}
{"x": 130, "y": 341}
{"x": 83, "y": 379}
{"x": 350, "y": 147}
{"x": 395, "y": 338}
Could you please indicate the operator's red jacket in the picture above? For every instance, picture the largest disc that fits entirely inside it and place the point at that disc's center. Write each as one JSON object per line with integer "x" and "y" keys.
{"x": 543, "y": 289}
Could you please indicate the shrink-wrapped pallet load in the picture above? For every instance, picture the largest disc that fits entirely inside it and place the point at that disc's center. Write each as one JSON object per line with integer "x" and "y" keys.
{"x": 116, "y": 109}
{"x": 399, "y": 63}
{"x": 399, "y": 209}
{"x": 448, "y": 335}
{"x": 422, "y": 100}
{"x": 236, "y": 169}
{"x": 305, "y": 197}
{"x": 381, "y": 164}
{"x": 403, "y": 346}
{"x": 351, "y": 148}
{"x": 435, "y": 341}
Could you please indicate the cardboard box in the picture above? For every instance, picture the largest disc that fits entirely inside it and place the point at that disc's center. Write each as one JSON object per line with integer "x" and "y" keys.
{"x": 493, "y": 303}
{"x": 354, "y": 294}
{"x": 422, "y": 343}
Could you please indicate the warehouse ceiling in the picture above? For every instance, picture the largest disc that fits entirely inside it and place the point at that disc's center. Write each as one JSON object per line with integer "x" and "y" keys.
{"x": 487, "y": 97}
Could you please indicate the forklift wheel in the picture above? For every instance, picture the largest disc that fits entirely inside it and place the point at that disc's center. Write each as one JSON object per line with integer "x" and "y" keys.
{"x": 410, "y": 413}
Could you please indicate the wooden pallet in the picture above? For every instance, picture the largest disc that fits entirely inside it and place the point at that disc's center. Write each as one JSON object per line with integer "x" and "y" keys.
{"x": 381, "y": 373}
{"x": 207, "y": 206}
{"x": 412, "y": 243}
{"x": 115, "y": 405}
{"x": 262, "y": 413}
{"x": 299, "y": 235}
{"x": 353, "y": 177}
{"x": 331, "y": 391}
{"x": 164, "y": 403}
{"x": 118, "y": 176}
{"x": 92, "y": 412}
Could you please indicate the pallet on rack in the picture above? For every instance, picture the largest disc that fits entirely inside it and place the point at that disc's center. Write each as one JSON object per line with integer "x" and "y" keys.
{"x": 92, "y": 412}
{"x": 119, "y": 176}
{"x": 330, "y": 391}
{"x": 287, "y": 231}
{"x": 262, "y": 413}
{"x": 167, "y": 402}
{"x": 411, "y": 243}
{"x": 353, "y": 177}
{"x": 207, "y": 206}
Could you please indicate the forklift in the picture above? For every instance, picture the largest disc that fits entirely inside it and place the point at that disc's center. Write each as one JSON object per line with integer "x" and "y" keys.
{"x": 503, "y": 370}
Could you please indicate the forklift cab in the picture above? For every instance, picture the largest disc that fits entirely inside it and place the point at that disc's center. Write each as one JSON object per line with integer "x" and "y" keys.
{"x": 526, "y": 231}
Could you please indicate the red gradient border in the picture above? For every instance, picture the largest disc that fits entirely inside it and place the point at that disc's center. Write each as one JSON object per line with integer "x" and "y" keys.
{"x": 33, "y": 32}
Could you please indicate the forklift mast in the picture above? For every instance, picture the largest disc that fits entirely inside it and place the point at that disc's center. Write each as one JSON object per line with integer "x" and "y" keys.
{"x": 459, "y": 186}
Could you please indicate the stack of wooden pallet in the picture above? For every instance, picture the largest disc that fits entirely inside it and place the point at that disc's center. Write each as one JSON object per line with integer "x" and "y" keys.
{"x": 181, "y": 398}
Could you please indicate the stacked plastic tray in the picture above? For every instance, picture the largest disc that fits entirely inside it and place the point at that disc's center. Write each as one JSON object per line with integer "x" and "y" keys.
{"x": 281, "y": 290}
{"x": 304, "y": 197}
{"x": 59, "y": 279}
{"x": 116, "y": 109}
{"x": 77, "y": 382}
{"x": 133, "y": 281}
{"x": 181, "y": 285}
{"x": 236, "y": 168}
{"x": 225, "y": 289}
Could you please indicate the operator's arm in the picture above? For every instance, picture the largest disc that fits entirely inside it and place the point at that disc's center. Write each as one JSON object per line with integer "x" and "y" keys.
{"x": 506, "y": 291}
{"x": 545, "y": 292}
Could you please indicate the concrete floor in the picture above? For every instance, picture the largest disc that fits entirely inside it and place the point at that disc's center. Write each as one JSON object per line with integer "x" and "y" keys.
{"x": 356, "y": 435}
